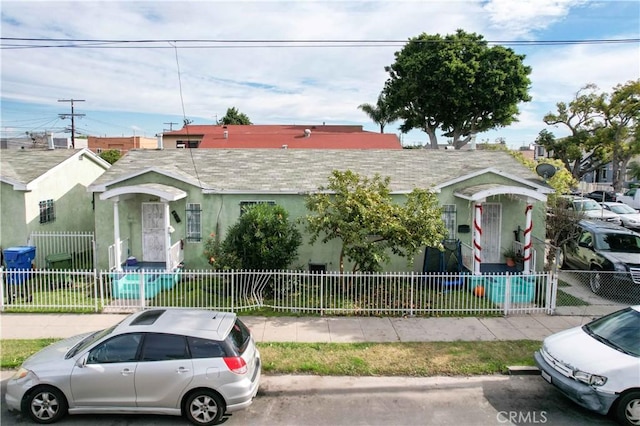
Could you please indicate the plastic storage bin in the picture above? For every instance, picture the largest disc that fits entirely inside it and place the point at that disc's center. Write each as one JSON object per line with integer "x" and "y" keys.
{"x": 18, "y": 258}
{"x": 522, "y": 289}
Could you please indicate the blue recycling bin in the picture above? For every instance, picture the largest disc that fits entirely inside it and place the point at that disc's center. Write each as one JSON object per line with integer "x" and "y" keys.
{"x": 18, "y": 258}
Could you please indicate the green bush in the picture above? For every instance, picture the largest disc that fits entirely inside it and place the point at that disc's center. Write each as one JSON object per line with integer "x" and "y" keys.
{"x": 263, "y": 238}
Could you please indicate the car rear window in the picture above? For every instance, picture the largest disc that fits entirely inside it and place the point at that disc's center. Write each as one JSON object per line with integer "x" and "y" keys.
{"x": 239, "y": 336}
{"x": 205, "y": 348}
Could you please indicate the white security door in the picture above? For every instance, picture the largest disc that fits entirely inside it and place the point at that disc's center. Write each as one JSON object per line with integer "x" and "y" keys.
{"x": 491, "y": 225}
{"x": 153, "y": 232}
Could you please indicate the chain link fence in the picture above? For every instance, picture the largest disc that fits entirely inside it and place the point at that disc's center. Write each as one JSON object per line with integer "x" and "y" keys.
{"x": 598, "y": 287}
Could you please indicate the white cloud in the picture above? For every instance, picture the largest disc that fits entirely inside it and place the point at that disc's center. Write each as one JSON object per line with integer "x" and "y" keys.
{"x": 275, "y": 84}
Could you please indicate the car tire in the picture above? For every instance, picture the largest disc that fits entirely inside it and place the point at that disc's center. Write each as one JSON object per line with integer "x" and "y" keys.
{"x": 628, "y": 409}
{"x": 45, "y": 404}
{"x": 595, "y": 281}
{"x": 204, "y": 407}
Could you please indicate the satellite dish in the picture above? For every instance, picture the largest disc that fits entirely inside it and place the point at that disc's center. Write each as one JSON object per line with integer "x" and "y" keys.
{"x": 545, "y": 170}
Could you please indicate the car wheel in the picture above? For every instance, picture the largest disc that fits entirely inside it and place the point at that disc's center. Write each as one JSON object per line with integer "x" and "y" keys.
{"x": 45, "y": 404}
{"x": 628, "y": 409}
{"x": 595, "y": 281}
{"x": 204, "y": 408}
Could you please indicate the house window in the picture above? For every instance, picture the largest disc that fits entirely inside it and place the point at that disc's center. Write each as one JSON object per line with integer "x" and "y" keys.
{"x": 47, "y": 212}
{"x": 194, "y": 223}
{"x": 245, "y": 205}
{"x": 603, "y": 174}
{"x": 449, "y": 218}
{"x": 187, "y": 144}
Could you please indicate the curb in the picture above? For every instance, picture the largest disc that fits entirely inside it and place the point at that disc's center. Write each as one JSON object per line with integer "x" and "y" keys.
{"x": 523, "y": 370}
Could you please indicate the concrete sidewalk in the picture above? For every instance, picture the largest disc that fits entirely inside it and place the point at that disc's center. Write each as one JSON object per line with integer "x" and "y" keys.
{"x": 327, "y": 329}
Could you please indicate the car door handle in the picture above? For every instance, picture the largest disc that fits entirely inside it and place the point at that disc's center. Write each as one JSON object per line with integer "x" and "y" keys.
{"x": 126, "y": 372}
{"x": 182, "y": 370}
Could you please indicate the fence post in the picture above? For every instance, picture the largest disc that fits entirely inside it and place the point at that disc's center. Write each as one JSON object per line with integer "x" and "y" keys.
{"x": 2, "y": 280}
{"x": 322, "y": 296}
{"x": 507, "y": 294}
{"x": 233, "y": 290}
{"x": 141, "y": 281}
{"x": 552, "y": 287}
{"x": 412, "y": 294}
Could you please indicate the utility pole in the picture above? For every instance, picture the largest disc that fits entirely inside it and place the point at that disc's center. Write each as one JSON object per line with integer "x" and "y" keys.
{"x": 72, "y": 115}
{"x": 170, "y": 126}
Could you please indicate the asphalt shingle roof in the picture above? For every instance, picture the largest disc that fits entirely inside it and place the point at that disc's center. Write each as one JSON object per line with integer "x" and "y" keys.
{"x": 25, "y": 165}
{"x": 301, "y": 170}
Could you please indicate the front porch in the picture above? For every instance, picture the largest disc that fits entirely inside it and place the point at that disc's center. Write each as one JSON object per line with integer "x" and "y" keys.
{"x": 152, "y": 233}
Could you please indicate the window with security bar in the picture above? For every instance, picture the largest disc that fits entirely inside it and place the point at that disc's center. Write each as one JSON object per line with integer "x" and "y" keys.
{"x": 194, "y": 223}
{"x": 449, "y": 219}
{"x": 47, "y": 211}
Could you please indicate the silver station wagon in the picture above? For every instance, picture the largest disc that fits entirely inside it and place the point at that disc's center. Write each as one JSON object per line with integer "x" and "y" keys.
{"x": 194, "y": 363}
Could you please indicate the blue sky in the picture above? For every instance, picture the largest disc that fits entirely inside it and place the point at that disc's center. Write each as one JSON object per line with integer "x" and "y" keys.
{"x": 137, "y": 91}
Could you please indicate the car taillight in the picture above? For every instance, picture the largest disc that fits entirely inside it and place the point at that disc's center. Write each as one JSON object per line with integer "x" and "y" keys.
{"x": 236, "y": 364}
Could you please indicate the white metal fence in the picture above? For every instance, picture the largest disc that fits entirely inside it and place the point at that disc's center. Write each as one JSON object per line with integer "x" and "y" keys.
{"x": 299, "y": 292}
{"x": 71, "y": 250}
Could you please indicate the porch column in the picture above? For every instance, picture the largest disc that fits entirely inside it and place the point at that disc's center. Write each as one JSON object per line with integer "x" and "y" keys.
{"x": 116, "y": 234}
{"x": 477, "y": 238}
{"x": 527, "y": 238}
{"x": 167, "y": 234}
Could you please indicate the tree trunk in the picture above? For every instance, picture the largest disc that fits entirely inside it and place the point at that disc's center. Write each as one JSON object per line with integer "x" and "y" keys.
{"x": 433, "y": 139}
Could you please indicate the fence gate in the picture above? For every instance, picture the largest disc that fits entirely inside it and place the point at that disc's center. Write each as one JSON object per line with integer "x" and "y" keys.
{"x": 78, "y": 247}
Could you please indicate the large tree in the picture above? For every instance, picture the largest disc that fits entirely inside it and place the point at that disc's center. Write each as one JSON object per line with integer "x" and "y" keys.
{"x": 361, "y": 213}
{"x": 603, "y": 128}
{"x": 621, "y": 113}
{"x": 233, "y": 116}
{"x": 456, "y": 84}
{"x": 381, "y": 113}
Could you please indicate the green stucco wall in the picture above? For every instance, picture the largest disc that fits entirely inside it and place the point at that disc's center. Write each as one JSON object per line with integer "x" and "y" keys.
{"x": 67, "y": 186}
{"x": 220, "y": 211}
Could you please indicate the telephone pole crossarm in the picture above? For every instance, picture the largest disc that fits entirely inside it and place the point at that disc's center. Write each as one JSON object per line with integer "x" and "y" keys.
{"x": 73, "y": 115}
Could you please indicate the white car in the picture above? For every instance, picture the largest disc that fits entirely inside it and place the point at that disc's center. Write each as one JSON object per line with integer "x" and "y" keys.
{"x": 629, "y": 216}
{"x": 597, "y": 365}
{"x": 591, "y": 209}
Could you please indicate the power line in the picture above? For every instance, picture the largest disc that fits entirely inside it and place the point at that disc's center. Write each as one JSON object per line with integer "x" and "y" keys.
{"x": 33, "y": 43}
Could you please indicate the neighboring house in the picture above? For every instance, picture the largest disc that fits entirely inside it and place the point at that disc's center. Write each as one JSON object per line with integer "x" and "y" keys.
{"x": 46, "y": 190}
{"x": 39, "y": 141}
{"x": 279, "y": 136}
{"x": 160, "y": 200}
{"x": 604, "y": 174}
{"x": 122, "y": 144}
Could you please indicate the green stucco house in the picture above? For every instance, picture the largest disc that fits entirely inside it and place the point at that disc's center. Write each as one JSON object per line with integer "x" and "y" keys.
{"x": 161, "y": 205}
{"x": 45, "y": 190}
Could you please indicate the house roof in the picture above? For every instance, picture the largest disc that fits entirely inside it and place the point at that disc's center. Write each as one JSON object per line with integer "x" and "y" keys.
{"x": 295, "y": 171}
{"x": 292, "y": 137}
{"x": 24, "y": 167}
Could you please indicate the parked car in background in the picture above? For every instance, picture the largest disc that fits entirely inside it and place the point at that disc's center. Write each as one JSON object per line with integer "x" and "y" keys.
{"x": 597, "y": 365}
{"x": 593, "y": 210}
{"x": 599, "y": 247}
{"x": 196, "y": 363}
{"x": 631, "y": 198}
{"x": 629, "y": 216}
{"x": 602, "y": 196}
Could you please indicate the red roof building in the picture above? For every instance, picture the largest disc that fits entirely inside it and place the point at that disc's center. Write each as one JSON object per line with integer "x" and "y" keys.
{"x": 279, "y": 136}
